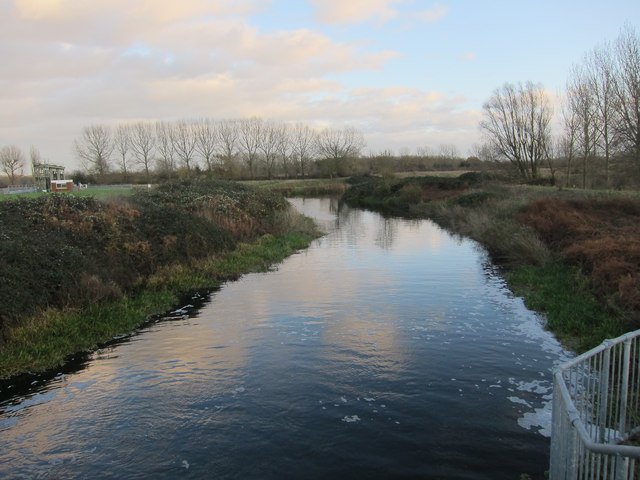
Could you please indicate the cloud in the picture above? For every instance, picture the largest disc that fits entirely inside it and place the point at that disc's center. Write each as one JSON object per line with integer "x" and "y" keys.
{"x": 118, "y": 60}
{"x": 153, "y": 11}
{"x": 69, "y": 64}
{"x": 436, "y": 13}
{"x": 394, "y": 117}
{"x": 468, "y": 57}
{"x": 353, "y": 11}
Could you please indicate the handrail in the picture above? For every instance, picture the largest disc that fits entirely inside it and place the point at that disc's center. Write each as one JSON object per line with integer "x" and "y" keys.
{"x": 595, "y": 397}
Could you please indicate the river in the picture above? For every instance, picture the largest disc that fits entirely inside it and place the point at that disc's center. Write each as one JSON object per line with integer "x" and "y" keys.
{"x": 388, "y": 349}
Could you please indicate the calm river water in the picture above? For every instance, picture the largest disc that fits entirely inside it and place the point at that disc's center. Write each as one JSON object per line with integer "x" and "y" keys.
{"x": 388, "y": 349}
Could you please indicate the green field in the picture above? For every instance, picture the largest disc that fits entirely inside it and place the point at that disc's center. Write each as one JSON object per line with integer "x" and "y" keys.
{"x": 96, "y": 192}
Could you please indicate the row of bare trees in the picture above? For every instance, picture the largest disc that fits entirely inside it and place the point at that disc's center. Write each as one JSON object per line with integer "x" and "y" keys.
{"x": 600, "y": 116}
{"x": 13, "y": 161}
{"x": 601, "y": 112}
{"x": 251, "y": 145}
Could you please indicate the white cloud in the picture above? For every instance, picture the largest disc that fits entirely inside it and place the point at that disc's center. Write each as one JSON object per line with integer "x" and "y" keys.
{"x": 67, "y": 64}
{"x": 395, "y": 117}
{"x": 354, "y": 11}
{"x": 434, "y": 14}
{"x": 468, "y": 57}
{"x": 151, "y": 11}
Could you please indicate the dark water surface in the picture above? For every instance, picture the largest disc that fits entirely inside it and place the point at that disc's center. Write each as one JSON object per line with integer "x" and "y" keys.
{"x": 388, "y": 349}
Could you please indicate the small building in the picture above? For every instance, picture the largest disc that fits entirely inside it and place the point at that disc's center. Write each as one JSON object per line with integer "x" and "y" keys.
{"x": 61, "y": 185}
{"x": 44, "y": 174}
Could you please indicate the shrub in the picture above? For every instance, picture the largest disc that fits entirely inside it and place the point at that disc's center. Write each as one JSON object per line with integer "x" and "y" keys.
{"x": 63, "y": 250}
{"x": 472, "y": 199}
{"x": 602, "y": 236}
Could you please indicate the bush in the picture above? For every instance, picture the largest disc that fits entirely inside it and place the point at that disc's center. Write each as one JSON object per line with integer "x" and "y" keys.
{"x": 62, "y": 250}
{"x": 602, "y": 236}
{"x": 473, "y": 199}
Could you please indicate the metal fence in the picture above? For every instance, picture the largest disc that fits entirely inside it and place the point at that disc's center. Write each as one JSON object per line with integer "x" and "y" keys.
{"x": 596, "y": 401}
{"x": 127, "y": 186}
{"x": 11, "y": 189}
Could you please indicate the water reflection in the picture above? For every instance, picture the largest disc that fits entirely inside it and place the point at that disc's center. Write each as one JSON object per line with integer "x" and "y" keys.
{"x": 388, "y": 348}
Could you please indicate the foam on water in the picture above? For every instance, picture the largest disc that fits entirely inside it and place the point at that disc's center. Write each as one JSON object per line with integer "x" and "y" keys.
{"x": 351, "y": 419}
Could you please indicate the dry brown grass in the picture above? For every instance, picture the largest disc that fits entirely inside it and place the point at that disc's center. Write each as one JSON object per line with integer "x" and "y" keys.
{"x": 601, "y": 236}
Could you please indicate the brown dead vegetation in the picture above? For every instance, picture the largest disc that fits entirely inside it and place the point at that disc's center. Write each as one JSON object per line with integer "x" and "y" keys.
{"x": 602, "y": 236}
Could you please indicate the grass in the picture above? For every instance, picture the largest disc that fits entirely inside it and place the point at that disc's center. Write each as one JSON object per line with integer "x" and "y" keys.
{"x": 302, "y": 187}
{"x": 48, "y": 338}
{"x": 94, "y": 192}
{"x": 564, "y": 295}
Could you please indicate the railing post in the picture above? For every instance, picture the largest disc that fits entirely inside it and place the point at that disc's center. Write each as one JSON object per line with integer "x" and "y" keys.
{"x": 604, "y": 394}
{"x": 559, "y": 421}
{"x": 624, "y": 397}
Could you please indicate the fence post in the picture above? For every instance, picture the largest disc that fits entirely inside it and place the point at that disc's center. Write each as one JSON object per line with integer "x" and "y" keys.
{"x": 604, "y": 394}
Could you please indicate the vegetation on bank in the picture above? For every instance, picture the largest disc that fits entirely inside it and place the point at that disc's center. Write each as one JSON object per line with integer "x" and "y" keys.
{"x": 99, "y": 192}
{"x": 573, "y": 255}
{"x": 77, "y": 270}
{"x": 311, "y": 187}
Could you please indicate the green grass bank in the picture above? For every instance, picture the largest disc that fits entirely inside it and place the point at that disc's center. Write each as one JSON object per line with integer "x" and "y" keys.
{"x": 81, "y": 270}
{"x": 309, "y": 187}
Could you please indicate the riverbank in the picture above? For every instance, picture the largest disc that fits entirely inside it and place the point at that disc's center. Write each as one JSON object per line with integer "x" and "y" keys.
{"x": 572, "y": 255}
{"x": 79, "y": 271}
{"x": 307, "y": 187}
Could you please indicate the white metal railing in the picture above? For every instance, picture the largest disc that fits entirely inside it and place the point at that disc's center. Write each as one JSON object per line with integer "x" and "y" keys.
{"x": 119, "y": 186}
{"x": 19, "y": 189}
{"x": 595, "y": 412}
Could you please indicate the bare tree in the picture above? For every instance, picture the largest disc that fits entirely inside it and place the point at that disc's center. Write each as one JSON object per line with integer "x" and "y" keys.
{"x": 269, "y": 145}
{"x": 484, "y": 152}
{"x": 94, "y": 148}
{"x": 567, "y": 143}
{"x": 122, "y": 142}
{"x": 184, "y": 142}
{"x": 516, "y": 124}
{"x": 12, "y": 162}
{"x": 285, "y": 149}
{"x": 582, "y": 103}
{"x": 206, "y": 141}
{"x": 164, "y": 144}
{"x": 304, "y": 141}
{"x": 34, "y": 156}
{"x": 627, "y": 91}
{"x": 338, "y": 147}
{"x": 143, "y": 142}
{"x": 448, "y": 150}
{"x": 227, "y": 131}
{"x": 249, "y": 137}
{"x": 602, "y": 83}
{"x": 424, "y": 151}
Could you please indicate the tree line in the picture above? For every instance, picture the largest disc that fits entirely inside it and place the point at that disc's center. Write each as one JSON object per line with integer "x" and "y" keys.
{"x": 235, "y": 148}
{"x": 598, "y": 144}
{"x": 13, "y": 161}
{"x": 600, "y": 117}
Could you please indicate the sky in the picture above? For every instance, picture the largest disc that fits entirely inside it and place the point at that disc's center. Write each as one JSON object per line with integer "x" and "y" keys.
{"x": 407, "y": 73}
